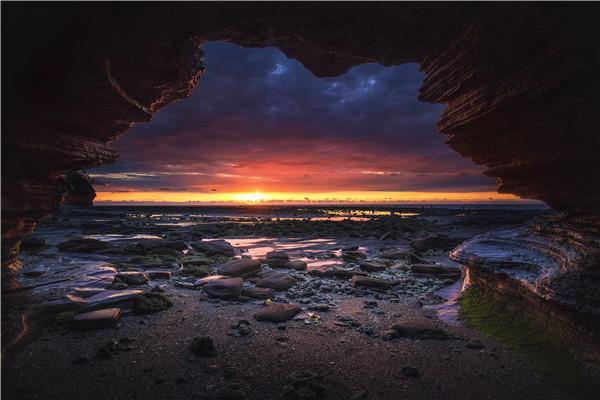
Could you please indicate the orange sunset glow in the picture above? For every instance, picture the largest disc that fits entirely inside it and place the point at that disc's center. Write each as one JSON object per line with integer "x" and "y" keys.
{"x": 326, "y": 197}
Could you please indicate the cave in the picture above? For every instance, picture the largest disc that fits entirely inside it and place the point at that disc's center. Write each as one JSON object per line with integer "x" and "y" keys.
{"x": 516, "y": 80}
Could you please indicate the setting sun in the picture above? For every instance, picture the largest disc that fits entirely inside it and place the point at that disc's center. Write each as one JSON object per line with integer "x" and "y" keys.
{"x": 255, "y": 197}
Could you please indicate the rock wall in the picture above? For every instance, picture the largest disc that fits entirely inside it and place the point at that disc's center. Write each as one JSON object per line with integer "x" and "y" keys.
{"x": 517, "y": 79}
{"x": 82, "y": 192}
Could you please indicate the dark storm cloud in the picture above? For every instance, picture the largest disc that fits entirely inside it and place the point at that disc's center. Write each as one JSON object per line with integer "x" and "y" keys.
{"x": 258, "y": 117}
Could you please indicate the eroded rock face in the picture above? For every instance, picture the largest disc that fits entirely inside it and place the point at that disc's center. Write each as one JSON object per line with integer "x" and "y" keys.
{"x": 82, "y": 192}
{"x": 556, "y": 260}
{"x": 517, "y": 79}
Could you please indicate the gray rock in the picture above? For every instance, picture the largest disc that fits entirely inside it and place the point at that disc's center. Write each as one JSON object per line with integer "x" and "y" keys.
{"x": 214, "y": 247}
{"x": 224, "y": 288}
{"x": 370, "y": 266}
{"x": 243, "y": 268}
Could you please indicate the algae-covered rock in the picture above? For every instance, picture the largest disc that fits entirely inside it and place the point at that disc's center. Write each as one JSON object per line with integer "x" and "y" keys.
{"x": 198, "y": 271}
{"x": 118, "y": 284}
{"x": 151, "y": 302}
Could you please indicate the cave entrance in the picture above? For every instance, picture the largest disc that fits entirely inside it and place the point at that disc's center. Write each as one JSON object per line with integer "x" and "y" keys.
{"x": 260, "y": 128}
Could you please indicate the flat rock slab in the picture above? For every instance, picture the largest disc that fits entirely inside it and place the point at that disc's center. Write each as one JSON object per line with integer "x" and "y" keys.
{"x": 242, "y": 268}
{"x": 415, "y": 331}
{"x": 225, "y": 288}
{"x": 358, "y": 280}
{"x": 343, "y": 273}
{"x": 99, "y": 319}
{"x": 204, "y": 281}
{"x": 107, "y": 298}
{"x": 133, "y": 277}
{"x": 372, "y": 266}
{"x": 214, "y": 248}
{"x": 277, "y": 313}
{"x": 275, "y": 280}
{"x": 297, "y": 265}
{"x": 353, "y": 255}
{"x": 394, "y": 254}
{"x": 258, "y": 293}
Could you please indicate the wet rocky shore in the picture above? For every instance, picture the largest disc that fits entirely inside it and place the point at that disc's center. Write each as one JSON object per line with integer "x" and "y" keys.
{"x": 267, "y": 303}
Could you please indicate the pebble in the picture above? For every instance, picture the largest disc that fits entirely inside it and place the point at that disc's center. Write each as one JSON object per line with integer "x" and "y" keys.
{"x": 203, "y": 346}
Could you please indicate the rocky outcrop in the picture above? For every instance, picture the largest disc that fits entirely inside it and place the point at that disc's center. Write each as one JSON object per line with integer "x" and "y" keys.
{"x": 82, "y": 192}
{"x": 517, "y": 79}
{"x": 550, "y": 268}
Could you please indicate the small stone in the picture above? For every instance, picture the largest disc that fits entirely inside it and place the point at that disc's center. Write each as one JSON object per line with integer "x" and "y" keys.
{"x": 370, "y": 304}
{"x": 203, "y": 346}
{"x": 319, "y": 307}
{"x": 277, "y": 312}
{"x": 297, "y": 265}
{"x": 258, "y": 293}
{"x": 375, "y": 283}
{"x": 159, "y": 274}
{"x": 369, "y": 266}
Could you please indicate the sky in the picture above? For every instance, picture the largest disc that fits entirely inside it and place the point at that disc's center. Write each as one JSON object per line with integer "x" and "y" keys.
{"x": 260, "y": 127}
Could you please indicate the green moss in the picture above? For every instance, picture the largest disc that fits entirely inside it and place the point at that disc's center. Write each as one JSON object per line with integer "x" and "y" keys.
{"x": 151, "y": 302}
{"x": 546, "y": 353}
